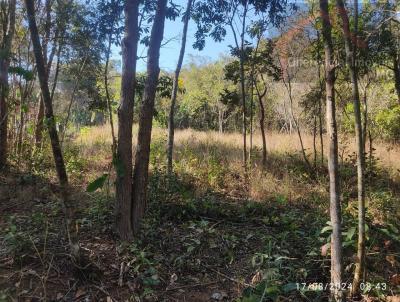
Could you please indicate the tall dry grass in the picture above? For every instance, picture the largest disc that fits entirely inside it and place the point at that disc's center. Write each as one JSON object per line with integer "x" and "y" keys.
{"x": 198, "y": 150}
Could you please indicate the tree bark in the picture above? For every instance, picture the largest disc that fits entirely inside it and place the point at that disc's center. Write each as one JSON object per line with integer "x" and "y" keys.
{"x": 242, "y": 85}
{"x": 51, "y": 125}
{"x": 171, "y": 126}
{"x": 125, "y": 120}
{"x": 108, "y": 97}
{"x": 335, "y": 208}
{"x": 141, "y": 169}
{"x": 40, "y": 114}
{"x": 396, "y": 71}
{"x": 8, "y": 34}
{"x": 262, "y": 124}
{"x": 351, "y": 55}
{"x": 251, "y": 121}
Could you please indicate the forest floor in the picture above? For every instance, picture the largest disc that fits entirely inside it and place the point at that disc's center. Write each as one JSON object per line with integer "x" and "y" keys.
{"x": 210, "y": 234}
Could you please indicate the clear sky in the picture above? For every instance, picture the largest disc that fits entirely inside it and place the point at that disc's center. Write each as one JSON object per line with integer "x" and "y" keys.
{"x": 170, "y": 52}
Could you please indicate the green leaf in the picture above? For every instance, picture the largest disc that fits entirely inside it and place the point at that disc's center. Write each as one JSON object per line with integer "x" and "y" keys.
{"x": 97, "y": 183}
{"x": 289, "y": 287}
{"x": 350, "y": 233}
{"x": 327, "y": 228}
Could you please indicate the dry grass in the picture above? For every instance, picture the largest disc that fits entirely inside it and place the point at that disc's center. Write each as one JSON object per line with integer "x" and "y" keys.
{"x": 215, "y": 153}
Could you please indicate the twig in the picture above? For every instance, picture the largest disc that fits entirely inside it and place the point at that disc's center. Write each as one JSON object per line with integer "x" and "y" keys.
{"x": 104, "y": 292}
{"x": 121, "y": 274}
{"x": 227, "y": 277}
{"x": 190, "y": 286}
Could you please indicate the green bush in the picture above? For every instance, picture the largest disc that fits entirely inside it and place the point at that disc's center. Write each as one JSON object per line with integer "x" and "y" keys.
{"x": 388, "y": 123}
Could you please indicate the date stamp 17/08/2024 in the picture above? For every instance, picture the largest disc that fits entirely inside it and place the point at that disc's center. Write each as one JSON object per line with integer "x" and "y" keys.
{"x": 364, "y": 287}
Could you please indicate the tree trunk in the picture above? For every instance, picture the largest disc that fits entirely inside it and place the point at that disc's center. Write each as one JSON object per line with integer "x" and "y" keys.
{"x": 251, "y": 120}
{"x": 335, "y": 208}
{"x": 315, "y": 141}
{"x": 39, "y": 124}
{"x": 123, "y": 161}
{"x": 141, "y": 169}
{"x": 351, "y": 55}
{"x": 108, "y": 97}
{"x": 242, "y": 85}
{"x": 262, "y": 128}
{"x": 171, "y": 126}
{"x": 396, "y": 71}
{"x": 40, "y": 115}
{"x": 8, "y": 34}
{"x": 51, "y": 125}
{"x": 321, "y": 132}
{"x": 220, "y": 120}
{"x": 260, "y": 96}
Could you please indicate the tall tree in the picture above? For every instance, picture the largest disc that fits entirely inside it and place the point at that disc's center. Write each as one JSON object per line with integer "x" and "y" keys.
{"x": 335, "y": 208}
{"x": 350, "y": 40}
{"x": 8, "y": 29}
{"x": 171, "y": 125}
{"x": 141, "y": 168}
{"x": 240, "y": 49}
{"x": 125, "y": 121}
{"x": 51, "y": 125}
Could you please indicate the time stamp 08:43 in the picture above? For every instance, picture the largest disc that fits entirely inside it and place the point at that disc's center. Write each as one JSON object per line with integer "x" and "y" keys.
{"x": 364, "y": 287}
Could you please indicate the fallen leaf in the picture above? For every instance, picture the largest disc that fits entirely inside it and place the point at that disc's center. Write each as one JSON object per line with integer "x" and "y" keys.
{"x": 391, "y": 260}
{"x": 325, "y": 249}
{"x": 256, "y": 278}
{"x": 395, "y": 279}
{"x": 80, "y": 292}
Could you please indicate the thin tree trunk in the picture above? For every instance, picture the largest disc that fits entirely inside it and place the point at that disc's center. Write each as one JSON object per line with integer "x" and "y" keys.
{"x": 288, "y": 85}
{"x": 51, "y": 125}
{"x": 396, "y": 71}
{"x": 220, "y": 120}
{"x": 71, "y": 102}
{"x": 321, "y": 131}
{"x": 45, "y": 42}
{"x": 141, "y": 169}
{"x": 8, "y": 34}
{"x": 315, "y": 141}
{"x": 351, "y": 55}
{"x": 171, "y": 126}
{"x": 262, "y": 124}
{"x": 335, "y": 208}
{"x": 321, "y": 134}
{"x": 39, "y": 124}
{"x": 108, "y": 98}
{"x": 123, "y": 209}
{"x": 242, "y": 85}
{"x": 251, "y": 121}
{"x": 242, "y": 78}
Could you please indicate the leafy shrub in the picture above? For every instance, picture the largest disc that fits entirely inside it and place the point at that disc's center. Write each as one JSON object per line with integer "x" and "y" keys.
{"x": 388, "y": 123}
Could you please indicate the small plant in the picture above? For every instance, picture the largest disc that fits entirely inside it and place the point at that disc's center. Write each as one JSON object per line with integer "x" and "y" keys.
{"x": 16, "y": 241}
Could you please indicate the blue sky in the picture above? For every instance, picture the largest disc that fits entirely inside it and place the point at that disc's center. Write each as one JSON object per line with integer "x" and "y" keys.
{"x": 170, "y": 52}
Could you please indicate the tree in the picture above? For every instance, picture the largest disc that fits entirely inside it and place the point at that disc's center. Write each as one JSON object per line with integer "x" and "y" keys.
{"x": 8, "y": 28}
{"x": 350, "y": 40}
{"x": 334, "y": 192}
{"x": 123, "y": 159}
{"x": 110, "y": 31}
{"x": 171, "y": 126}
{"x": 141, "y": 168}
{"x": 51, "y": 126}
